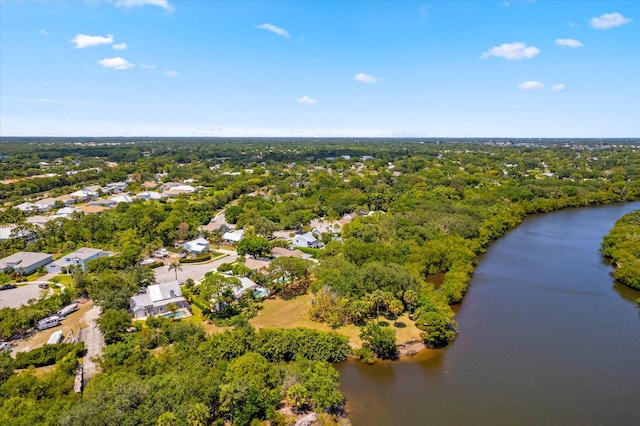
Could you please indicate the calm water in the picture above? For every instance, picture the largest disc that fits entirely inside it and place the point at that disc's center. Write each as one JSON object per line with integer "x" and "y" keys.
{"x": 546, "y": 338}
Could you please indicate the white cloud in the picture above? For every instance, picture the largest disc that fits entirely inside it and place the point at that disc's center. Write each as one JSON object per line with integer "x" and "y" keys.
{"x": 43, "y": 32}
{"x": 512, "y": 51}
{"x": 117, "y": 63}
{"x": 558, "y": 87}
{"x": 119, "y": 46}
{"x": 83, "y": 40}
{"x": 281, "y": 32}
{"x": 45, "y": 101}
{"x": 170, "y": 73}
{"x": 133, "y": 3}
{"x": 307, "y": 100}
{"x": 609, "y": 20}
{"x": 147, "y": 66}
{"x": 366, "y": 78}
{"x": 531, "y": 85}
{"x": 568, "y": 42}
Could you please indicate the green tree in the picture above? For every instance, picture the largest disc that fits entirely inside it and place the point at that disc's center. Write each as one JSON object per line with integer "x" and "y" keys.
{"x": 255, "y": 246}
{"x": 175, "y": 266}
{"x": 382, "y": 340}
{"x": 113, "y": 323}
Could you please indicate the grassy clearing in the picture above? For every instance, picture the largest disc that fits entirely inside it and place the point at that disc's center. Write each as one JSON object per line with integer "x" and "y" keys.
{"x": 278, "y": 313}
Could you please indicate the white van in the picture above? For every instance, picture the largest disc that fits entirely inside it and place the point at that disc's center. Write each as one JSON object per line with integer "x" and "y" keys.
{"x": 48, "y": 322}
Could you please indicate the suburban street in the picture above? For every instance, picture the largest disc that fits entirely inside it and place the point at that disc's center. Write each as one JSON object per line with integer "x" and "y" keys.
{"x": 195, "y": 271}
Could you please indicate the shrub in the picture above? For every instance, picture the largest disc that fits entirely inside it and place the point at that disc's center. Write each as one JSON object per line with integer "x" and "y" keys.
{"x": 48, "y": 354}
{"x": 198, "y": 259}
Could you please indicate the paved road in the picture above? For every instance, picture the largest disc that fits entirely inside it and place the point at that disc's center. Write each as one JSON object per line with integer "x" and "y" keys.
{"x": 15, "y": 297}
{"x": 195, "y": 271}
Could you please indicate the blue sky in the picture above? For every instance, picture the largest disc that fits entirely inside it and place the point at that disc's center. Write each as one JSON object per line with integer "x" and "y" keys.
{"x": 326, "y": 68}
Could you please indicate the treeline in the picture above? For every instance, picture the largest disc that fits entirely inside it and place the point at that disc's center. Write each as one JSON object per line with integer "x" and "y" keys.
{"x": 622, "y": 246}
{"x": 236, "y": 377}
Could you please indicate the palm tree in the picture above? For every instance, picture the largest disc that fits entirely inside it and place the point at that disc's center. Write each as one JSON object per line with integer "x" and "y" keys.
{"x": 176, "y": 267}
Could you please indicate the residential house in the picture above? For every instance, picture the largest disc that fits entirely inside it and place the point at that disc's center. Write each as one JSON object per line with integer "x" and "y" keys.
{"x": 103, "y": 202}
{"x": 78, "y": 258}
{"x": 46, "y": 204}
{"x": 66, "y": 212}
{"x": 115, "y": 187}
{"x": 198, "y": 246}
{"x": 306, "y": 240}
{"x": 150, "y": 195}
{"x": 122, "y": 198}
{"x": 25, "y": 262}
{"x": 233, "y": 236}
{"x": 256, "y": 264}
{"x": 85, "y": 194}
{"x": 66, "y": 199}
{"x": 38, "y": 220}
{"x": 284, "y": 252}
{"x": 9, "y": 232}
{"x": 154, "y": 300}
{"x": 27, "y": 207}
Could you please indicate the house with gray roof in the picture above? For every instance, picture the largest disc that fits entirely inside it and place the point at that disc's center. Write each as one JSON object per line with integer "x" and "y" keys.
{"x": 306, "y": 240}
{"x": 154, "y": 300}
{"x": 198, "y": 246}
{"x": 78, "y": 258}
{"x": 45, "y": 204}
{"x": 25, "y": 262}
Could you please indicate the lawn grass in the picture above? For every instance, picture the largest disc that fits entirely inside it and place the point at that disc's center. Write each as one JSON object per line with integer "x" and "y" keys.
{"x": 279, "y": 313}
{"x": 65, "y": 280}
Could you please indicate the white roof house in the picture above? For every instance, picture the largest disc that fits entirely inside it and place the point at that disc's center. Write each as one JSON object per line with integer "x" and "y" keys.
{"x": 45, "y": 204}
{"x": 305, "y": 240}
{"x": 150, "y": 195}
{"x": 27, "y": 207}
{"x": 233, "y": 236}
{"x": 155, "y": 299}
{"x": 39, "y": 220}
{"x": 9, "y": 232}
{"x": 25, "y": 262}
{"x": 122, "y": 198}
{"x": 78, "y": 258}
{"x": 66, "y": 212}
{"x": 199, "y": 245}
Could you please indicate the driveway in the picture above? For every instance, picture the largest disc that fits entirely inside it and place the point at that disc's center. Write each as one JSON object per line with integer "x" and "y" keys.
{"x": 93, "y": 343}
{"x": 195, "y": 271}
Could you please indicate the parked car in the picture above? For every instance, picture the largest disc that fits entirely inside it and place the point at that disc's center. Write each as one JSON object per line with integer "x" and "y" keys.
{"x": 43, "y": 285}
{"x": 7, "y": 286}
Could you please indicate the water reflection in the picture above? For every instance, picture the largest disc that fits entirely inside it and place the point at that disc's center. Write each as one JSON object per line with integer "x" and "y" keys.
{"x": 544, "y": 339}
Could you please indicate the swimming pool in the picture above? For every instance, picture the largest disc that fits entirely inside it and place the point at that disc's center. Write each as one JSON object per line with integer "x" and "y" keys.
{"x": 260, "y": 292}
{"x": 177, "y": 314}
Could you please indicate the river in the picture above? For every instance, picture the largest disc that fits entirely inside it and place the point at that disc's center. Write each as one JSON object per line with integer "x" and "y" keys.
{"x": 547, "y": 337}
